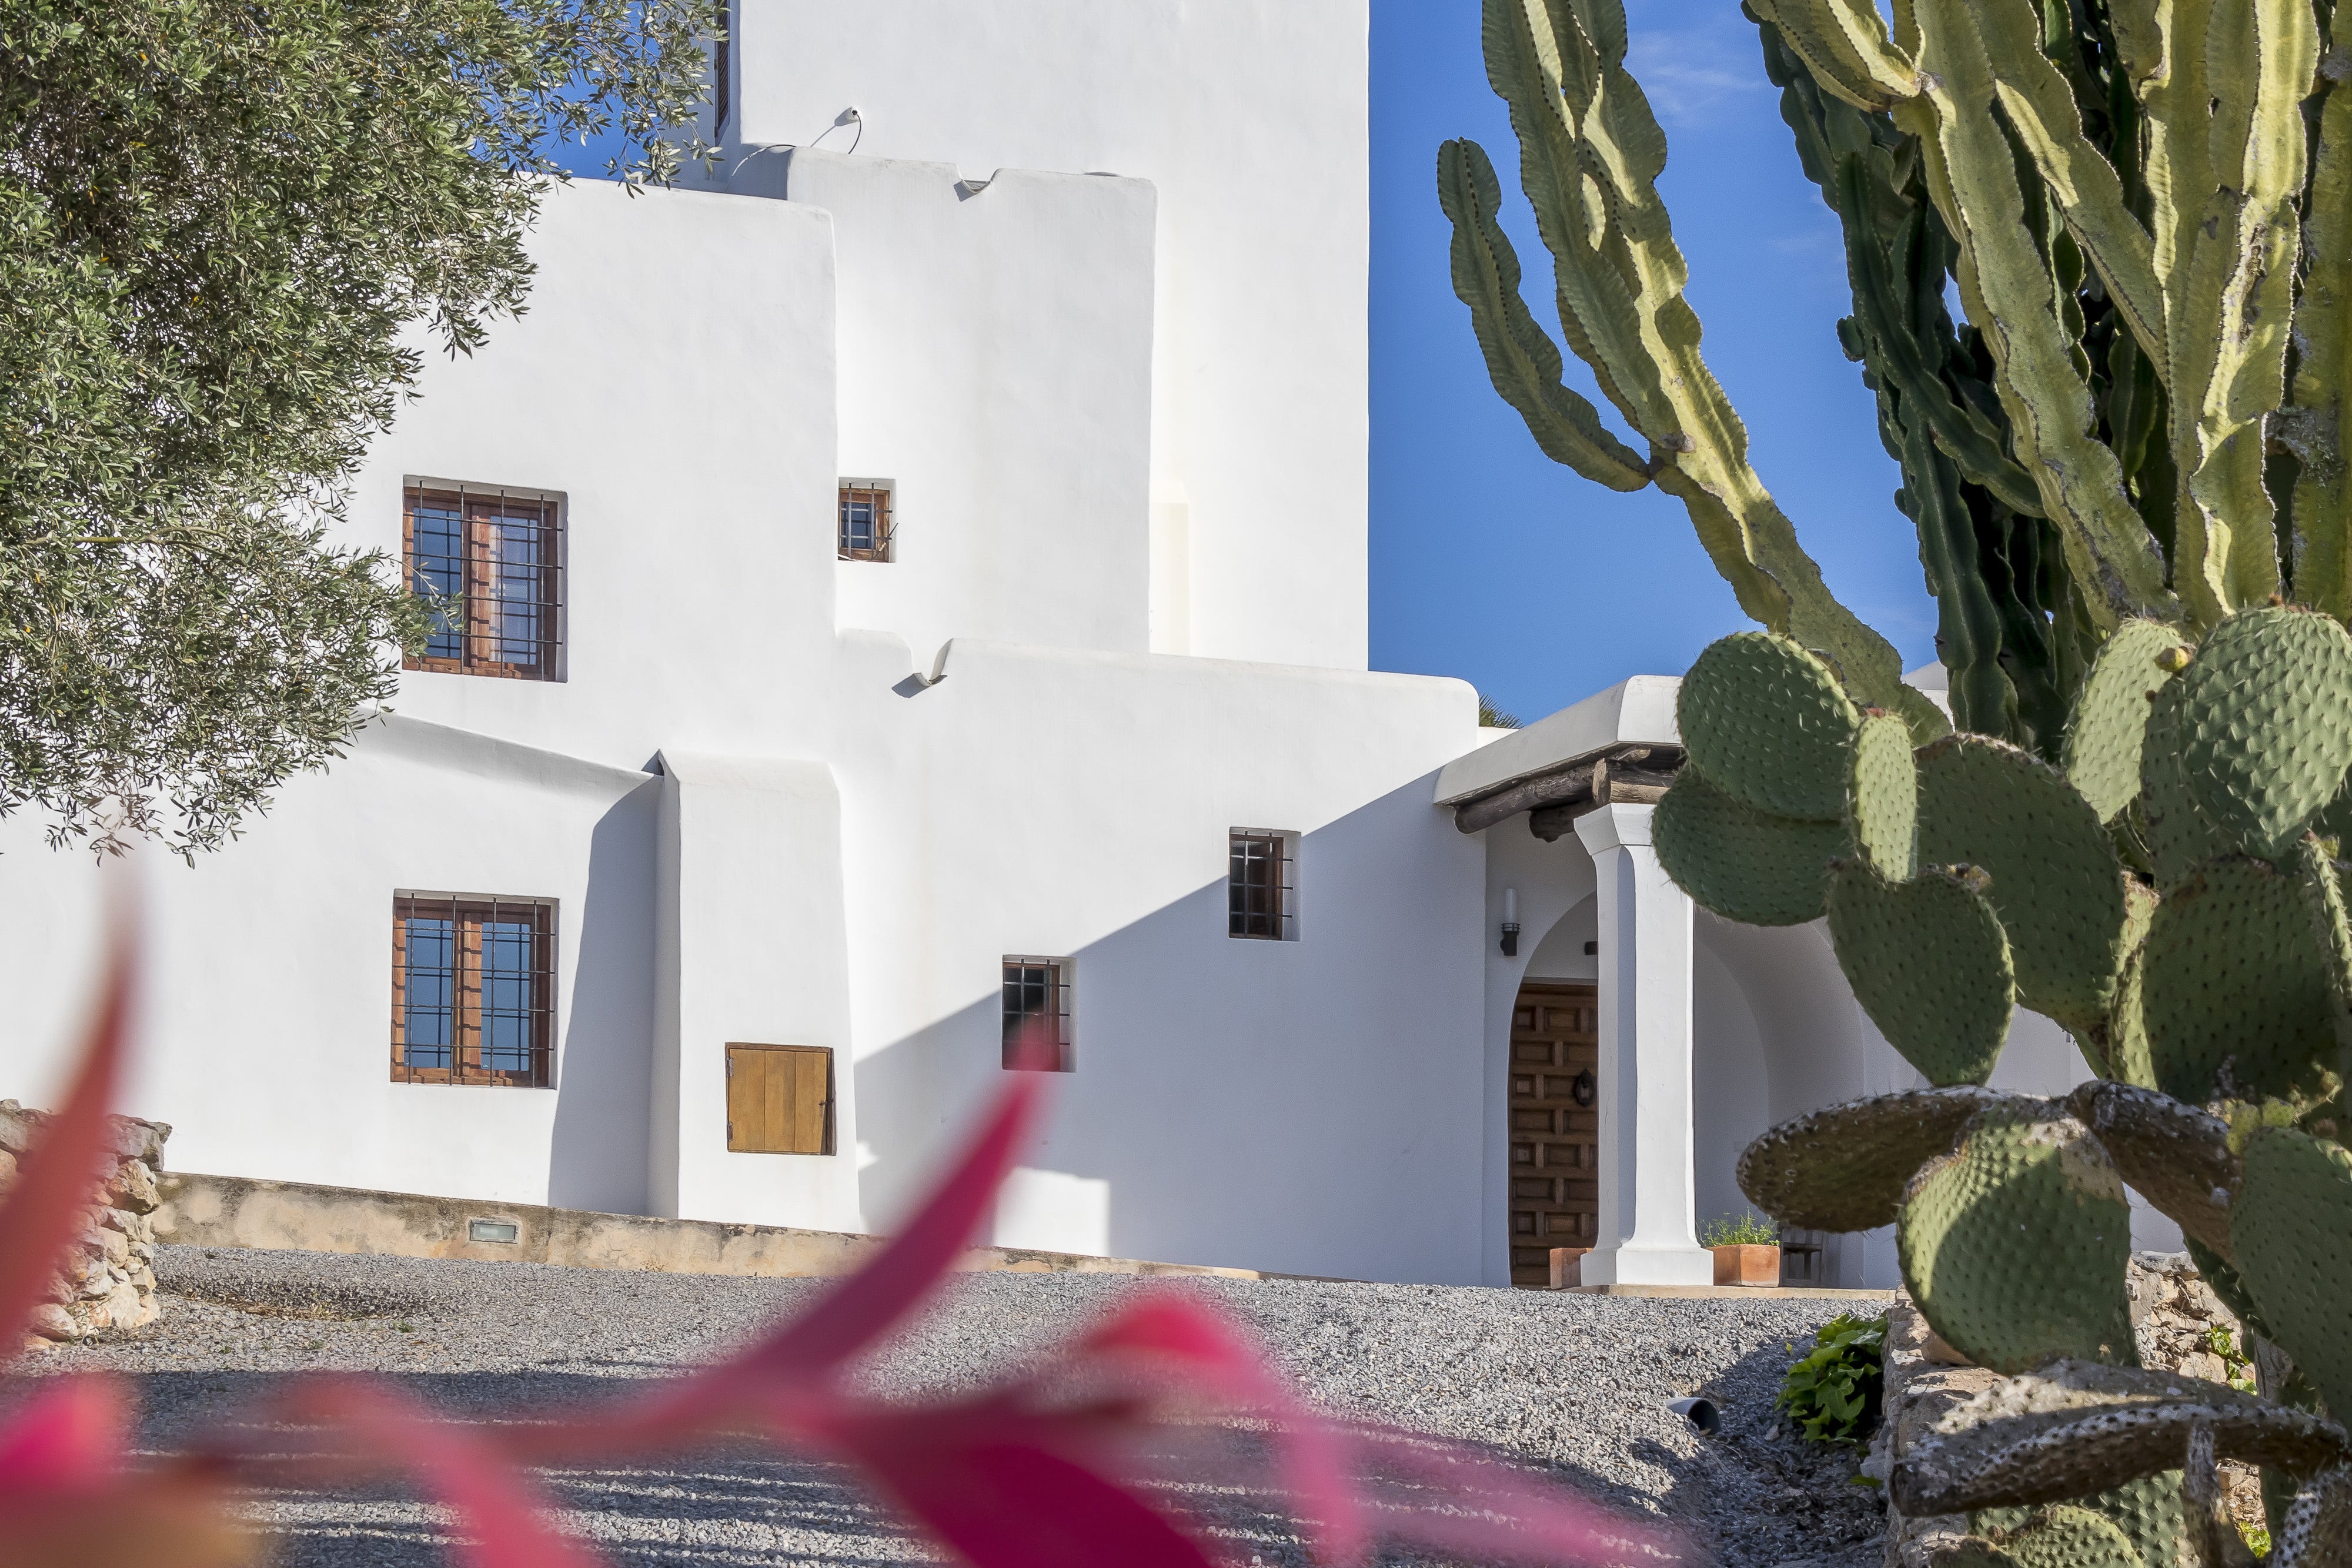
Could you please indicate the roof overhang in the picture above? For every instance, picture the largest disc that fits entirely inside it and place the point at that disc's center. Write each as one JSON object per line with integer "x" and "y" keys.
{"x": 1562, "y": 765}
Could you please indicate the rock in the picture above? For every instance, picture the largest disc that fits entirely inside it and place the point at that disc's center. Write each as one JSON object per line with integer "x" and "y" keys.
{"x": 108, "y": 1277}
{"x": 51, "y": 1321}
{"x": 132, "y": 1186}
{"x": 17, "y": 1127}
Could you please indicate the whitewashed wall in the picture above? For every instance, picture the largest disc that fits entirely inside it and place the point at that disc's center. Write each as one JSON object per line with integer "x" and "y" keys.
{"x": 760, "y": 828}
{"x": 1251, "y": 118}
{"x": 995, "y": 363}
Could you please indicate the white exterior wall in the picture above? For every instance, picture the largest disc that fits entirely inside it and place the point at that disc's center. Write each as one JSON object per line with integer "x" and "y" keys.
{"x": 760, "y": 828}
{"x": 995, "y": 361}
{"x": 1251, "y": 118}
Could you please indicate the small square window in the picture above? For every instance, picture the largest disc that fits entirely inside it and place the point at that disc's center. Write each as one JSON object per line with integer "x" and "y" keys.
{"x": 1037, "y": 1015}
{"x": 779, "y": 1100}
{"x": 473, "y": 989}
{"x": 488, "y": 563}
{"x": 1261, "y": 894}
{"x": 866, "y": 521}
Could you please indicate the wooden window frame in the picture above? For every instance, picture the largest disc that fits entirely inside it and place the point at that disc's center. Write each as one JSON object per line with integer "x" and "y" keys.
{"x": 735, "y": 1144}
{"x": 468, "y": 912}
{"x": 1058, "y": 982}
{"x": 481, "y": 643}
{"x": 882, "y": 496}
{"x": 1244, "y": 922}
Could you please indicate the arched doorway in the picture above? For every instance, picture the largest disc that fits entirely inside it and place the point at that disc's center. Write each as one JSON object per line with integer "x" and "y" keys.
{"x": 1555, "y": 1128}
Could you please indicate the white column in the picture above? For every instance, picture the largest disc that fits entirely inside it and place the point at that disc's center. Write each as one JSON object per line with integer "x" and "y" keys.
{"x": 1645, "y": 1233}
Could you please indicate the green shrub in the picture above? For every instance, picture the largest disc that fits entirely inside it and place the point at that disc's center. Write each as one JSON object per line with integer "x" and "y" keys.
{"x": 1750, "y": 1229}
{"x": 1833, "y": 1394}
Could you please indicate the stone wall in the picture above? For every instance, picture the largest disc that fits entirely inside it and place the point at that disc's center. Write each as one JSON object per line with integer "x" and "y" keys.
{"x": 2173, "y": 1312}
{"x": 108, "y": 1279}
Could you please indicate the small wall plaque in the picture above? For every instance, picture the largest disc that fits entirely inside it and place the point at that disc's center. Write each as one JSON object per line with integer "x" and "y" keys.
{"x": 502, "y": 1232}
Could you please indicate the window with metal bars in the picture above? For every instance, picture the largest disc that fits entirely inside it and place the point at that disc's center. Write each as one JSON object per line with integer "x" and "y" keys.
{"x": 473, "y": 989}
{"x": 866, "y": 525}
{"x": 489, "y": 563}
{"x": 1037, "y": 1015}
{"x": 1261, "y": 895}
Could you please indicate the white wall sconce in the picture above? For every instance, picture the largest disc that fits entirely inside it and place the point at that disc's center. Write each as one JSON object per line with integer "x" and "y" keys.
{"x": 1510, "y": 922}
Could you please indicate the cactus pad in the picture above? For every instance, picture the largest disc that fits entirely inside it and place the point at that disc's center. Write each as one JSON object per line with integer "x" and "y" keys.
{"x": 1929, "y": 962}
{"x": 2102, "y": 743}
{"x": 1844, "y": 1167}
{"x": 2056, "y": 883}
{"x": 2101, "y": 1436}
{"x": 2292, "y": 1227}
{"x": 2267, "y": 723}
{"x": 2317, "y": 1528}
{"x": 2146, "y": 1512}
{"x": 2014, "y": 1245}
{"x": 2129, "y": 1061}
{"x": 2180, "y": 839}
{"x": 2236, "y": 977}
{"x": 1743, "y": 864}
{"x": 2172, "y": 1153}
{"x": 1769, "y": 724}
{"x": 2069, "y": 1536}
{"x": 1882, "y": 799}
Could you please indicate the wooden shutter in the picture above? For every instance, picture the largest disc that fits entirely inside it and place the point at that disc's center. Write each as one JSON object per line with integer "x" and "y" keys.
{"x": 779, "y": 1100}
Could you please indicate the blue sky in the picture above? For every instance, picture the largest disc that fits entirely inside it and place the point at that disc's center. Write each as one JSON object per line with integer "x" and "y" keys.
{"x": 1489, "y": 561}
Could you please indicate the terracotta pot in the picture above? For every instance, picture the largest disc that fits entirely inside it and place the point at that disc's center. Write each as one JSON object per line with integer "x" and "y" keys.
{"x": 1747, "y": 1265}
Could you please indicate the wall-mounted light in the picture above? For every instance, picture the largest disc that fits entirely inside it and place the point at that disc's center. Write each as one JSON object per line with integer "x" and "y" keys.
{"x": 1510, "y": 922}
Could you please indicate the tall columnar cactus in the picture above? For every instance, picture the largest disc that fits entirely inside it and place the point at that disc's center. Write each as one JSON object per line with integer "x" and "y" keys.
{"x": 2173, "y": 896}
{"x": 2146, "y": 212}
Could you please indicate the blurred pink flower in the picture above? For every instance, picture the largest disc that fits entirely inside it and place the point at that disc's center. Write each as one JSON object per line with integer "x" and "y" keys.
{"x": 1044, "y": 1470}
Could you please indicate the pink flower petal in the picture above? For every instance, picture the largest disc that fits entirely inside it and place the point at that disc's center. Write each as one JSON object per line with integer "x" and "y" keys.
{"x": 45, "y": 1209}
{"x": 999, "y": 1501}
{"x": 68, "y": 1437}
{"x": 797, "y": 1359}
{"x": 1489, "y": 1512}
{"x": 1310, "y": 1452}
{"x": 499, "y": 1508}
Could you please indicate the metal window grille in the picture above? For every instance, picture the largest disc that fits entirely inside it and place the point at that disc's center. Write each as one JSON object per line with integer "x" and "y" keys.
{"x": 473, "y": 989}
{"x": 1261, "y": 894}
{"x": 866, "y": 521}
{"x": 489, "y": 563}
{"x": 1037, "y": 992}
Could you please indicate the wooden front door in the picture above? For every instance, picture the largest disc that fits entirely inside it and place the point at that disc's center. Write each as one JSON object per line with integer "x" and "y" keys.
{"x": 1555, "y": 1125}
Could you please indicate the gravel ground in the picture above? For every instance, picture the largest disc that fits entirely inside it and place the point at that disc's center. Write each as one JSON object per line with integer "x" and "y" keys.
{"x": 1577, "y": 1384}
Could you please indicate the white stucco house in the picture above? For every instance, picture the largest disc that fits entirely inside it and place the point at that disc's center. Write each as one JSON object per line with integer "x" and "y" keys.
{"x": 914, "y": 583}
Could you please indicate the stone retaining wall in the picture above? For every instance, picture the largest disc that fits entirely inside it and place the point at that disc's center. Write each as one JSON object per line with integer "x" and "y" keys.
{"x": 243, "y": 1211}
{"x": 109, "y": 1279}
{"x": 2172, "y": 1312}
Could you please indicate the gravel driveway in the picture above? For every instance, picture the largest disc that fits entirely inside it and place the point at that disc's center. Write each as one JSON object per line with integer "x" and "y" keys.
{"x": 1574, "y": 1383}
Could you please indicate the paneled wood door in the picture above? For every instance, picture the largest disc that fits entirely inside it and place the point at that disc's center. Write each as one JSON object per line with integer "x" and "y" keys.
{"x": 1555, "y": 1128}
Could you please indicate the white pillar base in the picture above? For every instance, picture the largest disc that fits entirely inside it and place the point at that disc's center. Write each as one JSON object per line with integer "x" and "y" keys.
{"x": 1646, "y": 1266}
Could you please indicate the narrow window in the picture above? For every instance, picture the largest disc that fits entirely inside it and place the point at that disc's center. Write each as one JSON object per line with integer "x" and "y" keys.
{"x": 489, "y": 564}
{"x": 866, "y": 521}
{"x": 1037, "y": 1015}
{"x": 1261, "y": 895}
{"x": 473, "y": 989}
{"x": 779, "y": 1100}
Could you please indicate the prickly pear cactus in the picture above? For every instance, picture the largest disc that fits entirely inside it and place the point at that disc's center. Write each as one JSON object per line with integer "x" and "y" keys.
{"x": 1968, "y": 879}
{"x": 2129, "y": 471}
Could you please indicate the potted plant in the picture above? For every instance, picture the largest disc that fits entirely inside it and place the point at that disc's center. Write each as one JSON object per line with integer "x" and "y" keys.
{"x": 1747, "y": 1249}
